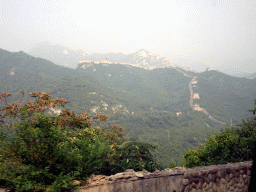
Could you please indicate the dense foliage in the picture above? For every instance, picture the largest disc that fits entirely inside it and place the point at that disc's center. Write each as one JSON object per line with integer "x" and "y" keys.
{"x": 232, "y": 144}
{"x": 45, "y": 150}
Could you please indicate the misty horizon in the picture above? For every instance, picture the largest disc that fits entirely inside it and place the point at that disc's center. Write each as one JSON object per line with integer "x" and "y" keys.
{"x": 200, "y": 33}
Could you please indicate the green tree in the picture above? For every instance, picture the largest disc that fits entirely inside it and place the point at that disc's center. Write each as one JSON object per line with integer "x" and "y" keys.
{"x": 56, "y": 150}
{"x": 254, "y": 109}
{"x": 232, "y": 144}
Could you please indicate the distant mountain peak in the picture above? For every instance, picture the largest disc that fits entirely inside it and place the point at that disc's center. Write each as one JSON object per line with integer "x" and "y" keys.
{"x": 144, "y": 53}
{"x": 66, "y": 57}
{"x": 65, "y": 51}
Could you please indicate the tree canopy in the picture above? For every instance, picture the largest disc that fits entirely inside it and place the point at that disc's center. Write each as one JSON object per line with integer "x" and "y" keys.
{"x": 45, "y": 150}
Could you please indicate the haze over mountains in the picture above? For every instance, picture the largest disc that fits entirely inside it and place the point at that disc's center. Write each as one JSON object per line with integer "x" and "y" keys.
{"x": 69, "y": 58}
{"x": 148, "y": 103}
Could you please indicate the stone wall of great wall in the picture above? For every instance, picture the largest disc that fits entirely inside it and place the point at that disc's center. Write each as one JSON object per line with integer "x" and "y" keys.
{"x": 214, "y": 178}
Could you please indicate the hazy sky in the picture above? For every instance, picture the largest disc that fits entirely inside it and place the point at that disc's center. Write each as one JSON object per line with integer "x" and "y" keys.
{"x": 214, "y": 32}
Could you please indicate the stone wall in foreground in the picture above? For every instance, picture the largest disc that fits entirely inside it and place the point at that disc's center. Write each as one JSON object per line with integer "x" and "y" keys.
{"x": 215, "y": 178}
{"x": 231, "y": 177}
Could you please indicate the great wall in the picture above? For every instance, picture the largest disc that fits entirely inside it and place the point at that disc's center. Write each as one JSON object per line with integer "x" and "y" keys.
{"x": 193, "y": 81}
{"x": 104, "y": 61}
{"x": 196, "y": 96}
{"x": 214, "y": 178}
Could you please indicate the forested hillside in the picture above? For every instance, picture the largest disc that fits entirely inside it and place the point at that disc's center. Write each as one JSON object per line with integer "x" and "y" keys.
{"x": 144, "y": 102}
{"x": 225, "y": 97}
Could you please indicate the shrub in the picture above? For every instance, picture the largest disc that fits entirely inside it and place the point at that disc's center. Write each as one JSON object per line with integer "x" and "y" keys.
{"x": 54, "y": 151}
{"x": 232, "y": 144}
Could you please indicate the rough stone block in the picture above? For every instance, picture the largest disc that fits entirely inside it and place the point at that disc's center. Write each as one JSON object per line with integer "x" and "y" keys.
{"x": 139, "y": 174}
{"x": 241, "y": 180}
{"x": 237, "y": 169}
{"x": 203, "y": 172}
{"x": 203, "y": 178}
{"x": 228, "y": 170}
{"x": 218, "y": 174}
{"x": 185, "y": 182}
{"x": 194, "y": 185}
{"x": 228, "y": 186}
{"x": 195, "y": 180}
{"x": 195, "y": 174}
{"x": 232, "y": 182}
{"x": 187, "y": 188}
{"x": 218, "y": 182}
{"x": 214, "y": 177}
{"x": 186, "y": 175}
{"x": 244, "y": 168}
{"x": 211, "y": 185}
{"x": 223, "y": 181}
{"x": 223, "y": 173}
{"x": 199, "y": 185}
{"x": 210, "y": 176}
{"x": 240, "y": 185}
{"x": 223, "y": 188}
{"x": 232, "y": 188}
{"x": 207, "y": 172}
{"x": 228, "y": 177}
{"x": 208, "y": 180}
{"x": 214, "y": 171}
{"x": 204, "y": 185}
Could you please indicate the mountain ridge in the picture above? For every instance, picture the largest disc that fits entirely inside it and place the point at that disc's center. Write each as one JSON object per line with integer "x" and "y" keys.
{"x": 70, "y": 58}
{"x": 146, "y": 102}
